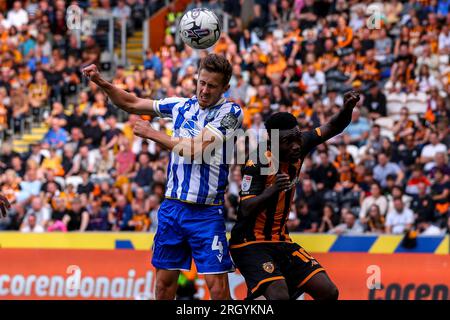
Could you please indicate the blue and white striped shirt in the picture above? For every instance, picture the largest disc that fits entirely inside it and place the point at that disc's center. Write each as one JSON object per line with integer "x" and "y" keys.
{"x": 190, "y": 181}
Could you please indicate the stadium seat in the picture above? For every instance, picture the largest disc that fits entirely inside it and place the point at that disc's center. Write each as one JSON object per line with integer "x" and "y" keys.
{"x": 385, "y": 122}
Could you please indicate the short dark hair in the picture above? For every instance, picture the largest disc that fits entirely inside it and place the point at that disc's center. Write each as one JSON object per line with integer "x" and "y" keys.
{"x": 281, "y": 121}
{"x": 218, "y": 64}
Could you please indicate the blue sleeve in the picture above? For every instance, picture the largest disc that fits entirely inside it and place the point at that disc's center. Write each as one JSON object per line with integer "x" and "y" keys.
{"x": 165, "y": 107}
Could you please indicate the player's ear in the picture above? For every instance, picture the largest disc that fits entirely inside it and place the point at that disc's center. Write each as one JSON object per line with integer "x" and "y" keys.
{"x": 225, "y": 89}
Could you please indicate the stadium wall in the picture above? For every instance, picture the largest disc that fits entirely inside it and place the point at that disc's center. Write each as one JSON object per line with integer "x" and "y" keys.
{"x": 157, "y": 24}
{"x": 117, "y": 266}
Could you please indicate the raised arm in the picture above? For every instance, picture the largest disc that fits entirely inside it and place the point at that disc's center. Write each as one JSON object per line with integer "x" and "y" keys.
{"x": 337, "y": 124}
{"x": 122, "y": 99}
{"x": 340, "y": 121}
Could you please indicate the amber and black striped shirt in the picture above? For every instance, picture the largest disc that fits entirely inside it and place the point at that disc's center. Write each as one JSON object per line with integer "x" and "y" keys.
{"x": 270, "y": 223}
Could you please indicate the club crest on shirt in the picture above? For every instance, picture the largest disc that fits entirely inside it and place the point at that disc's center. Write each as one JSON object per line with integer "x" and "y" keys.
{"x": 268, "y": 267}
{"x": 229, "y": 121}
{"x": 246, "y": 182}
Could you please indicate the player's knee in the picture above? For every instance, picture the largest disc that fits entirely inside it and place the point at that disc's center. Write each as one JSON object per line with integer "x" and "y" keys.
{"x": 277, "y": 295}
{"x": 277, "y": 290}
{"x": 164, "y": 290}
{"x": 219, "y": 291}
{"x": 332, "y": 293}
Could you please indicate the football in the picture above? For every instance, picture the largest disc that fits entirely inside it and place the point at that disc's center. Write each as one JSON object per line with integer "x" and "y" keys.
{"x": 199, "y": 28}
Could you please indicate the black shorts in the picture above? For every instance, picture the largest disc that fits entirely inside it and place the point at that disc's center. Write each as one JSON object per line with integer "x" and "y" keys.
{"x": 264, "y": 262}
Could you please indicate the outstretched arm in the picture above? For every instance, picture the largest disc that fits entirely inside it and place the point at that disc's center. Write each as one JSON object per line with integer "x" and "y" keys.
{"x": 122, "y": 99}
{"x": 340, "y": 121}
{"x": 337, "y": 124}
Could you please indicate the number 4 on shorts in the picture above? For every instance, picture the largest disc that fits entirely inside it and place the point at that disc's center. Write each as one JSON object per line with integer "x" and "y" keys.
{"x": 217, "y": 245}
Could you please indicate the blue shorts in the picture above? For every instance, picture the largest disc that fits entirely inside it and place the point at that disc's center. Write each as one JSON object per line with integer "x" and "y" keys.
{"x": 187, "y": 231}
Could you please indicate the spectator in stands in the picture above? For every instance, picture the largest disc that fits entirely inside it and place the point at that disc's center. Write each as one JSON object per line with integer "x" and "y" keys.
{"x": 426, "y": 228}
{"x": 417, "y": 177}
{"x": 400, "y": 219}
{"x": 30, "y": 225}
{"x": 140, "y": 220}
{"x": 440, "y": 163}
{"x": 17, "y": 16}
{"x": 329, "y": 219}
{"x": 376, "y": 197}
{"x": 86, "y": 186}
{"x": 58, "y": 213}
{"x": 56, "y": 137}
{"x": 423, "y": 204}
{"x": 440, "y": 192}
{"x": 104, "y": 164}
{"x": 41, "y": 215}
{"x": 92, "y": 132}
{"x": 375, "y": 221}
{"x": 375, "y": 102}
{"x": 311, "y": 197}
{"x": 77, "y": 218}
{"x": 307, "y": 221}
{"x": 30, "y": 186}
{"x": 350, "y": 224}
{"x": 84, "y": 160}
{"x": 396, "y": 191}
{"x": 404, "y": 126}
{"x": 429, "y": 151}
{"x": 111, "y": 135}
{"x": 98, "y": 217}
{"x": 313, "y": 79}
{"x": 143, "y": 176}
{"x": 385, "y": 168}
{"x": 358, "y": 129}
{"x": 325, "y": 175}
{"x": 38, "y": 93}
{"x": 121, "y": 214}
{"x": 154, "y": 202}
{"x": 408, "y": 153}
{"x": 153, "y": 62}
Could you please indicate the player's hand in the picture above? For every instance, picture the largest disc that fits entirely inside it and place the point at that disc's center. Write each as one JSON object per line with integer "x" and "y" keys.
{"x": 282, "y": 182}
{"x": 143, "y": 129}
{"x": 351, "y": 98}
{"x": 91, "y": 72}
{"x": 4, "y": 205}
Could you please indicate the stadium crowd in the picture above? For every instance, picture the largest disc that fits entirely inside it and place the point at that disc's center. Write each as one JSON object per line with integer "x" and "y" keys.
{"x": 388, "y": 172}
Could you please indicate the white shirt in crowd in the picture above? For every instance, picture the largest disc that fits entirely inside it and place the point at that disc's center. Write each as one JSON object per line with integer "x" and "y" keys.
{"x": 313, "y": 81}
{"x": 42, "y": 216}
{"x": 17, "y": 18}
{"x": 432, "y": 230}
{"x": 430, "y": 150}
{"x": 381, "y": 202}
{"x": 399, "y": 220}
